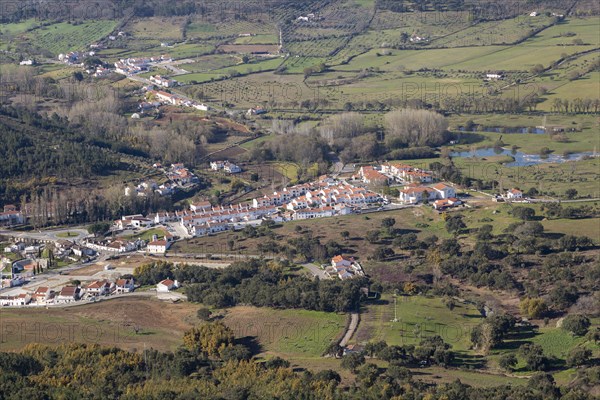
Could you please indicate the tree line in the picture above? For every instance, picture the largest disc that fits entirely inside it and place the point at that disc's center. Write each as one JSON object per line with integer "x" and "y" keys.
{"x": 258, "y": 283}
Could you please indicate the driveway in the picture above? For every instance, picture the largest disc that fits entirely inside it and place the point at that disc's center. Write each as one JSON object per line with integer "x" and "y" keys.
{"x": 315, "y": 270}
{"x": 351, "y": 329}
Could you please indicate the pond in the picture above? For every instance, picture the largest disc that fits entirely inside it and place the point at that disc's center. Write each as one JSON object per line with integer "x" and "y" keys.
{"x": 520, "y": 159}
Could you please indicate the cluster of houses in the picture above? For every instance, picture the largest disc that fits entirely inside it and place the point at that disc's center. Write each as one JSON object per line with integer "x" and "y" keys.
{"x": 178, "y": 177}
{"x": 11, "y": 216}
{"x": 226, "y": 166}
{"x": 131, "y": 66}
{"x": 44, "y": 296}
{"x": 71, "y": 58}
{"x": 146, "y": 188}
{"x": 325, "y": 198}
{"x": 181, "y": 176}
{"x": 418, "y": 184}
{"x": 344, "y": 268}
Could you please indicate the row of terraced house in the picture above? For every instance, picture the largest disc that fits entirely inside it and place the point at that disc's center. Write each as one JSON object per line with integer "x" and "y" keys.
{"x": 44, "y": 295}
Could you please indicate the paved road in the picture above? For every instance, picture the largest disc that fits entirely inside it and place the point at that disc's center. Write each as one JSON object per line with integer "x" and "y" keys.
{"x": 351, "y": 329}
{"x": 315, "y": 270}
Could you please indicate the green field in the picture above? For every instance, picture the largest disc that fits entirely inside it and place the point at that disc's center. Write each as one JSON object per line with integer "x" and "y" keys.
{"x": 257, "y": 39}
{"x": 286, "y": 333}
{"x": 211, "y": 62}
{"x": 147, "y": 235}
{"x": 418, "y": 317}
{"x": 229, "y": 29}
{"x": 242, "y": 69}
{"x": 67, "y": 235}
{"x": 16, "y": 28}
{"x": 64, "y": 37}
{"x": 157, "y": 28}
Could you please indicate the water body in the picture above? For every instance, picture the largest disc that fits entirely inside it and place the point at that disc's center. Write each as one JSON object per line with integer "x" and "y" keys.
{"x": 521, "y": 159}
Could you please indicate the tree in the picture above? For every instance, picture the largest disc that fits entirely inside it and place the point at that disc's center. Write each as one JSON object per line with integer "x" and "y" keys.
{"x": 372, "y": 236}
{"x": 388, "y": 223}
{"x": 415, "y": 128}
{"x": 454, "y": 224}
{"x": 352, "y": 361}
{"x": 485, "y": 232}
{"x": 368, "y": 374}
{"x": 577, "y": 324}
{"x": 450, "y": 247}
{"x": 236, "y": 353}
{"x": 571, "y": 193}
{"x": 381, "y": 253}
{"x": 534, "y": 357}
{"x": 345, "y": 235}
{"x": 578, "y": 357}
{"x": 78, "y": 76}
{"x": 507, "y": 361}
{"x": 537, "y": 69}
{"x": 373, "y": 348}
{"x": 523, "y": 213}
{"x": 98, "y": 228}
{"x": 533, "y": 308}
{"x": 209, "y": 339}
{"x": 399, "y": 373}
{"x": 204, "y": 314}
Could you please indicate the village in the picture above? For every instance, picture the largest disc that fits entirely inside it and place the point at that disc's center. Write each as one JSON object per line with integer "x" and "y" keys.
{"x": 326, "y": 196}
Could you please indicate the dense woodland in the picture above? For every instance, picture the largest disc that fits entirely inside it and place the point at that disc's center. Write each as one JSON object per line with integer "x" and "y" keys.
{"x": 210, "y": 365}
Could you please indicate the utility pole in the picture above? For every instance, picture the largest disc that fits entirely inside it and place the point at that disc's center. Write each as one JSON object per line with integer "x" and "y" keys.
{"x": 395, "y": 307}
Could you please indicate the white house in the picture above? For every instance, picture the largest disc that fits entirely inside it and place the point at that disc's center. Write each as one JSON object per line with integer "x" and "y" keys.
{"x": 444, "y": 191}
{"x": 99, "y": 288}
{"x": 68, "y": 294}
{"x": 341, "y": 261}
{"x": 124, "y": 286}
{"x": 514, "y": 194}
{"x": 26, "y": 62}
{"x": 417, "y": 194}
{"x": 21, "y": 299}
{"x": 158, "y": 246}
{"x": 159, "y": 80}
{"x": 42, "y": 295}
{"x": 166, "y": 285}
{"x": 494, "y": 76}
{"x": 231, "y": 168}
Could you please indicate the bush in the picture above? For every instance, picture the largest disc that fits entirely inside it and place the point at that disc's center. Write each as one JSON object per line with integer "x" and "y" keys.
{"x": 577, "y": 324}
{"x": 203, "y": 314}
{"x": 578, "y": 357}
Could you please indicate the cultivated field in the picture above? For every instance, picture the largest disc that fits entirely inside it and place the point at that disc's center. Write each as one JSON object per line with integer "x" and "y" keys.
{"x": 110, "y": 322}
